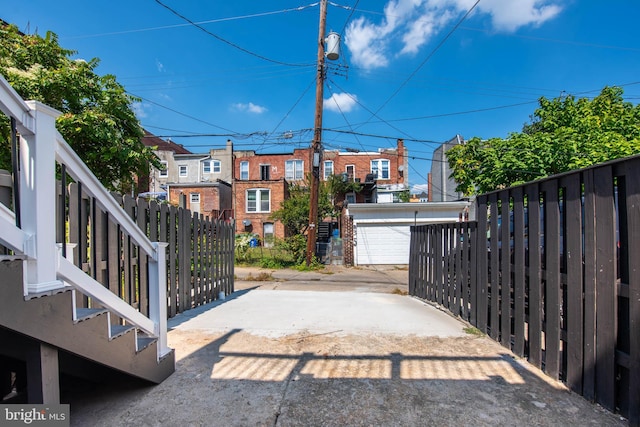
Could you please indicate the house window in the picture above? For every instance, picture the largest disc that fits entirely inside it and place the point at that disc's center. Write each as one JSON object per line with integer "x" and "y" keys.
{"x": 195, "y": 197}
{"x": 183, "y": 170}
{"x": 328, "y": 169}
{"x": 216, "y": 166}
{"x": 209, "y": 166}
{"x": 164, "y": 172}
{"x": 293, "y": 170}
{"x": 264, "y": 172}
{"x": 206, "y": 166}
{"x": 351, "y": 172}
{"x": 380, "y": 168}
{"x": 244, "y": 171}
{"x": 350, "y": 197}
{"x": 258, "y": 200}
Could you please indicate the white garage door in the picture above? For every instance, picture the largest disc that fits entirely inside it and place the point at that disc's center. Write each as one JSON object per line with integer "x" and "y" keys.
{"x": 382, "y": 244}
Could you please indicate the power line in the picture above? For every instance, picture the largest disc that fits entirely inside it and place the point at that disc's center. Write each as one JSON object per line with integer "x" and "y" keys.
{"x": 180, "y": 113}
{"x": 178, "y": 14}
{"x": 210, "y": 21}
{"x": 438, "y": 46}
{"x": 295, "y": 104}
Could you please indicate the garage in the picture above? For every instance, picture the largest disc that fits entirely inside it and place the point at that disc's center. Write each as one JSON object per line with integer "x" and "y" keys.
{"x": 382, "y": 244}
{"x": 382, "y": 231}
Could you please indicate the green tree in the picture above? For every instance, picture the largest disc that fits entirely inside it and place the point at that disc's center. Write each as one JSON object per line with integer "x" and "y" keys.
{"x": 97, "y": 117}
{"x": 294, "y": 210}
{"x": 564, "y": 134}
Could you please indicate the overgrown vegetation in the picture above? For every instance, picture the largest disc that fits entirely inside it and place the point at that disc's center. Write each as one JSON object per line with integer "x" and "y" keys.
{"x": 285, "y": 253}
{"x": 565, "y": 134}
{"x": 98, "y": 119}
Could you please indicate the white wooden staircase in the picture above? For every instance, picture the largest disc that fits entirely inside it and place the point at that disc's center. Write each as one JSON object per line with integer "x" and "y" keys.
{"x": 40, "y": 322}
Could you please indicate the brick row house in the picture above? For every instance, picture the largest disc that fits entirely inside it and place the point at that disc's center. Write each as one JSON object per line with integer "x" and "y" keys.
{"x": 201, "y": 182}
{"x": 261, "y": 184}
{"x": 249, "y": 186}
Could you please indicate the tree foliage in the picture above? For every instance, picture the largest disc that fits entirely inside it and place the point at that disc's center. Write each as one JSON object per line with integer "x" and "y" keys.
{"x": 564, "y": 134}
{"x": 97, "y": 118}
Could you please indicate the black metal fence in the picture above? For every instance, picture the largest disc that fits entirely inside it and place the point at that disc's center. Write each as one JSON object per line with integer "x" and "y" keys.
{"x": 551, "y": 270}
{"x": 200, "y": 252}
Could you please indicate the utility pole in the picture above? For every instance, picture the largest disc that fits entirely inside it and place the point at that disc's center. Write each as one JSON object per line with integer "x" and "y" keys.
{"x": 316, "y": 147}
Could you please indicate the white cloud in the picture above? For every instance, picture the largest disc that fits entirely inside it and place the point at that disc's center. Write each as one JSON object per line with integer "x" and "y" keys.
{"x": 159, "y": 66}
{"x": 250, "y": 108}
{"x": 410, "y": 24}
{"x": 140, "y": 109}
{"x": 508, "y": 16}
{"x": 341, "y": 102}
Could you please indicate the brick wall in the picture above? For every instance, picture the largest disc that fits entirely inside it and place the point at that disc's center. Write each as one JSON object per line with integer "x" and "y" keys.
{"x": 278, "y": 192}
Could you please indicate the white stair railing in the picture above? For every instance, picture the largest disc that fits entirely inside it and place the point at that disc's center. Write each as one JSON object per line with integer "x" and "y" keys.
{"x": 40, "y": 144}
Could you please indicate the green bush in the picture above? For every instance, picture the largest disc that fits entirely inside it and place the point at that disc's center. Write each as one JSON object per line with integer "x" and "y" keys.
{"x": 296, "y": 246}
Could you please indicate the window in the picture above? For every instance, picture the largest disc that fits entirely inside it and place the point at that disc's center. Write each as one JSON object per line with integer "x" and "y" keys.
{"x": 351, "y": 172}
{"x": 209, "y": 166}
{"x": 183, "y": 170}
{"x": 328, "y": 169}
{"x": 380, "y": 168}
{"x": 163, "y": 169}
{"x": 293, "y": 170}
{"x": 264, "y": 172}
{"x": 350, "y": 197}
{"x": 267, "y": 234}
{"x": 195, "y": 197}
{"x": 258, "y": 200}
{"x": 244, "y": 171}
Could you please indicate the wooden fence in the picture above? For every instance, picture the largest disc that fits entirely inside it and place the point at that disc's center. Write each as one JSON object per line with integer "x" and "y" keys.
{"x": 551, "y": 270}
{"x": 200, "y": 256}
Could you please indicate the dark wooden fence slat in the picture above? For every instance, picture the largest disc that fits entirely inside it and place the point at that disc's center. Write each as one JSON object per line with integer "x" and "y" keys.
{"x": 142, "y": 219}
{"x": 446, "y": 270}
{"x": 464, "y": 283}
{"x": 459, "y": 278}
{"x": 438, "y": 280}
{"x": 519, "y": 277}
{"x": 535, "y": 286}
{"x": 633, "y": 230}
{"x": 473, "y": 276}
{"x": 482, "y": 266}
{"x": 574, "y": 320}
{"x": 414, "y": 259}
{"x": 553, "y": 290}
{"x": 494, "y": 310}
{"x": 174, "y": 294}
{"x": 505, "y": 276}
{"x": 589, "y": 372}
{"x": 606, "y": 333}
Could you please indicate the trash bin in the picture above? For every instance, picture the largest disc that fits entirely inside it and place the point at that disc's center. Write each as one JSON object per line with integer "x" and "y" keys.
{"x": 253, "y": 243}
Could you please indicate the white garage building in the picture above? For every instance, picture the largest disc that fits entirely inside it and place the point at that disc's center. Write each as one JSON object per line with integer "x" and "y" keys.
{"x": 381, "y": 230}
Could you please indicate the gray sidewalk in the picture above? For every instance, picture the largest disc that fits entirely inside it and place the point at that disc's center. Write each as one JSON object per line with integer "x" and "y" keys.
{"x": 318, "y": 349}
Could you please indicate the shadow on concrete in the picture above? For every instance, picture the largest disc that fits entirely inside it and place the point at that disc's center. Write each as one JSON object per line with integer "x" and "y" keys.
{"x": 235, "y": 379}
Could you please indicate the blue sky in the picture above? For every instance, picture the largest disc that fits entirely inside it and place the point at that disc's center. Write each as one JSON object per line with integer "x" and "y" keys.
{"x": 412, "y": 69}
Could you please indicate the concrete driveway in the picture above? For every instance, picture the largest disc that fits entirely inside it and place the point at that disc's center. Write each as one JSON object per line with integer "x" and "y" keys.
{"x": 338, "y": 348}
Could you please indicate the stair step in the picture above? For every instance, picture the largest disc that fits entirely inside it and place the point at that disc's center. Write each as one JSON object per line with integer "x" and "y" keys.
{"x": 144, "y": 342}
{"x": 119, "y": 330}
{"x": 83, "y": 314}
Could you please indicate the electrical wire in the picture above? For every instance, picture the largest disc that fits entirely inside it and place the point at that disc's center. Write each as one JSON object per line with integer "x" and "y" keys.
{"x": 435, "y": 49}
{"x": 217, "y": 37}
{"x": 179, "y": 113}
{"x": 210, "y": 21}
